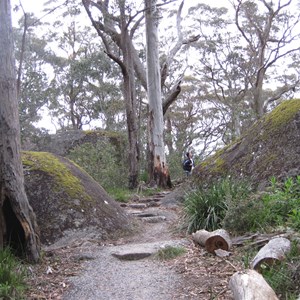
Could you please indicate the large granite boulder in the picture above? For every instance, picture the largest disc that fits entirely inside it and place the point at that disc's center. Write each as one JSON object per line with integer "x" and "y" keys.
{"x": 271, "y": 147}
{"x": 67, "y": 201}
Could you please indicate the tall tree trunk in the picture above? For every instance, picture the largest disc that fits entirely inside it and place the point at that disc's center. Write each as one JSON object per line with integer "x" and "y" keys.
{"x": 159, "y": 173}
{"x": 126, "y": 63}
{"x": 17, "y": 220}
{"x": 259, "y": 102}
{"x": 130, "y": 100}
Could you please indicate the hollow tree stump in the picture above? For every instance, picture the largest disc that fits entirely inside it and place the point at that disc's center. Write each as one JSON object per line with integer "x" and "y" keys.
{"x": 275, "y": 250}
{"x": 250, "y": 285}
{"x": 218, "y": 239}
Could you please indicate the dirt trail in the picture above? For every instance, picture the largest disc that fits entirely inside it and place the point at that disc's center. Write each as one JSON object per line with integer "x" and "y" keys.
{"x": 127, "y": 268}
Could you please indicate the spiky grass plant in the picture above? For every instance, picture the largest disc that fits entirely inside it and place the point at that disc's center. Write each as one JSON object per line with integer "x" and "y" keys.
{"x": 12, "y": 276}
{"x": 205, "y": 208}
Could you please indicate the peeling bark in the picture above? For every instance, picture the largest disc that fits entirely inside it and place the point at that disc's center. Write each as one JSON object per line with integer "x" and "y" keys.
{"x": 18, "y": 224}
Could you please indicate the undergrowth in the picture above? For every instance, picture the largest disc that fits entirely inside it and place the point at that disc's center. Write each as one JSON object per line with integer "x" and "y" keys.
{"x": 206, "y": 207}
{"x": 12, "y": 276}
{"x": 235, "y": 206}
{"x": 170, "y": 252}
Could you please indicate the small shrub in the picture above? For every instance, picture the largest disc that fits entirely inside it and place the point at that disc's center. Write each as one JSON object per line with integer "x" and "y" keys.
{"x": 103, "y": 163}
{"x": 205, "y": 208}
{"x": 170, "y": 252}
{"x": 278, "y": 206}
{"x": 248, "y": 215}
{"x": 119, "y": 194}
{"x": 12, "y": 276}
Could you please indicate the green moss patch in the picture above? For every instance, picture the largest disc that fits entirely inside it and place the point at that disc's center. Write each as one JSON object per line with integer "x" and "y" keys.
{"x": 282, "y": 114}
{"x": 270, "y": 147}
{"x": 51, "y": 165}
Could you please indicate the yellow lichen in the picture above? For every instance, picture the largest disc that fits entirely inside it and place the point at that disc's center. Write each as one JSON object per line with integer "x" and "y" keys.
{"x": 51, "y": 165}
{"x": 282, "y": 114}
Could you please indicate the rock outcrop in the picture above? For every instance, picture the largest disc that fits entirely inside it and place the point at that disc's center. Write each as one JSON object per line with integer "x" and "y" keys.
{"x": 271, "y": 147}
{"x": 67, "y": 200}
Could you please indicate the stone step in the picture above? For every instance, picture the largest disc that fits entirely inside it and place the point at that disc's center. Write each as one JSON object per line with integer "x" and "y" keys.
{"x": 141, "y": 251}
{"x": 137, "y": 205}
{"x": 151, "y": 217}
{"x": 147, "y": 200}
{"x": 155, "y": 219}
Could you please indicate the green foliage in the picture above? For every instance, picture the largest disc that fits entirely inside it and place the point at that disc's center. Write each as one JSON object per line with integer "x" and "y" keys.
{"x": 170, "y": 252}
{"x": 206, "y": 207}
{"x": 278, "y": 206}
{"x": 12, "y": 276}
{"x": 103, "y": 162}
{"x": 119, "y": 194}
{"x": 245, "y": 216}
{"x": 175, "y": 166}
{"x": 283, "y": 277}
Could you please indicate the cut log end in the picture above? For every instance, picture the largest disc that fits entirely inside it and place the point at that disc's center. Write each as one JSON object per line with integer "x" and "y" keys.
{"x": 218, "y": 239}
{"x": 216, "y": 242}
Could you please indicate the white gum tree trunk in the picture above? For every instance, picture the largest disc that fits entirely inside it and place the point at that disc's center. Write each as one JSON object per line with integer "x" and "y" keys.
{"x": 18, "y": 228}
{"x": 159, "y": 172}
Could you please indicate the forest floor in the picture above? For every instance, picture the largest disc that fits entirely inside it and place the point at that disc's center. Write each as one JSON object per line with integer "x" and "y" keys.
{"x": 129, "y": 268}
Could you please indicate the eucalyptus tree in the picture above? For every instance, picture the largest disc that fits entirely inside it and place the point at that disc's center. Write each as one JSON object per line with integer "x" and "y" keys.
{"x": 32, "y": 80}
{"x": 270, "y": 32}
{"x": 156, "y": 123}
{"x": 194, "y": 121}
{"x": 106, "y": 29}
{"x": 243, "y": 71}
{"x": 84, "y": 84}
{"x": 18, "y": 226}
{"x": 222, "y": 70}
{"x": 117, "y": 23}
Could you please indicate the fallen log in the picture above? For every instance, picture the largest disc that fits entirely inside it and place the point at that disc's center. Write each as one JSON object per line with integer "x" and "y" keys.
{"x": 250, "y": 285}
{"x": 200, "y": 236}
{"x": 218, "y": 239}
{"x": 275, "y": 250}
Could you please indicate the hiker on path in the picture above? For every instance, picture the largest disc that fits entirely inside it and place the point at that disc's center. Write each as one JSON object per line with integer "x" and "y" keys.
{"x": 188, "y": 164}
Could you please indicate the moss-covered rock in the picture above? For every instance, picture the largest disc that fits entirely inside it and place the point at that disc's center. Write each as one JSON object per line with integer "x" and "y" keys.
{"x": 66, "y": 199}
{"x": 271, "y": 147}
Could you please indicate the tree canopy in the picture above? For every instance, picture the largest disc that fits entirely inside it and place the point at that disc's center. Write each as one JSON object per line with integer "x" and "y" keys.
{"x": 221, "y": 68}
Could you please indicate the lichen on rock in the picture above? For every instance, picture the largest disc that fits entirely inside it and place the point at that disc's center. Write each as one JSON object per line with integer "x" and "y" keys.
{"x": 65, "y": 198}
{"x": 271, "y": 147}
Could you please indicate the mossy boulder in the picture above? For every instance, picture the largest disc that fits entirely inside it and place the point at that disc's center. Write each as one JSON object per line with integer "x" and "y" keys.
{"x": 271, "y": 147}
{"x": 67, "y": 200}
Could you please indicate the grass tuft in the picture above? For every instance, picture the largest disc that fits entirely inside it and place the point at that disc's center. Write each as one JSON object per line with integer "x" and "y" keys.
{"x": 12, "y": 276}
{"x": 170, "y": 252}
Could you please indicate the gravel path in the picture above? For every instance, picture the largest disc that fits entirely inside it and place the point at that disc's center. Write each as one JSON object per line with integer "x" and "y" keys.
{"x": 107, "y": 277}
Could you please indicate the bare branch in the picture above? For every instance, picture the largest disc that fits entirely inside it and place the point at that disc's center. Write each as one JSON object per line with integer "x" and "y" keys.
{"x": 172, "y": 96}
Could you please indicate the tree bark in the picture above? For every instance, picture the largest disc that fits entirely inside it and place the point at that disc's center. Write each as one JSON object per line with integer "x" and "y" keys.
{"x": 250, "y": 285}
{"x": 218, "y": 239}
{"x": 160, "y": 171}
{"x": 130, "y": 100}
{"x": 126, "y": 63}
{"x": 18, "y": 224}
{"x": 275, "y": 250}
